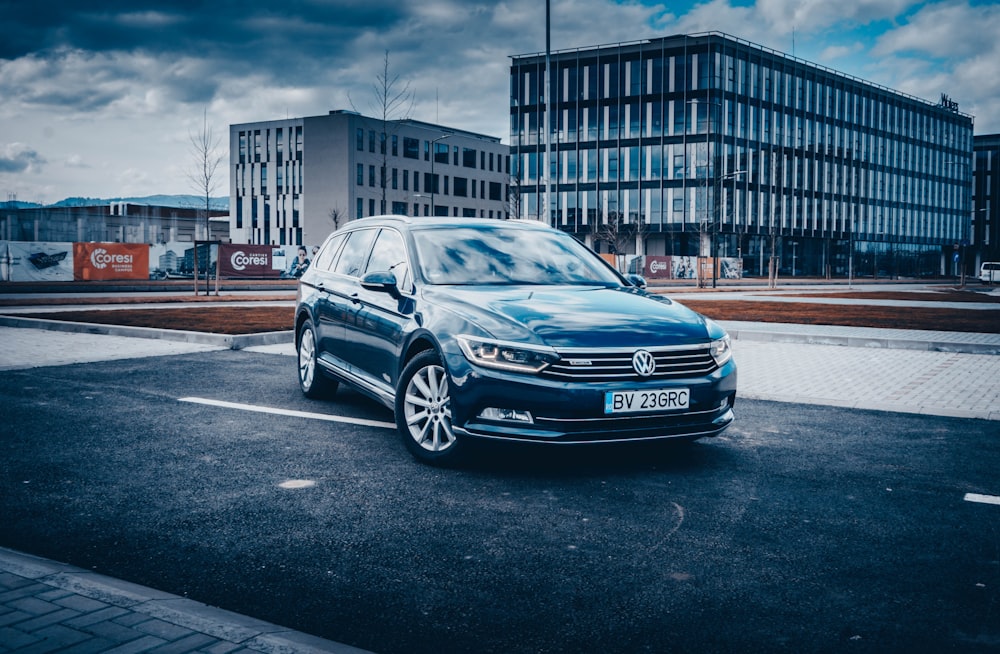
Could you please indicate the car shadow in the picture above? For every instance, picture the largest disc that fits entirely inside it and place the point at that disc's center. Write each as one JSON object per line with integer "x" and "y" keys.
{"x": 581, "y": 461}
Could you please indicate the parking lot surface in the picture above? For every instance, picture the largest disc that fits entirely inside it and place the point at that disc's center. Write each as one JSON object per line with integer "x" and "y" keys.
{"x": 50, "y": 606}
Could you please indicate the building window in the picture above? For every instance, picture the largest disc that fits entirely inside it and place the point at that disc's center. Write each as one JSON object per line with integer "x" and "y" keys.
{"x": 406, "y": 180}
{"x": 461, "y": 186}
{"x": 361, "y": 174}
{"x": 371, "y": 140}
{"x": 360, "y": 140}
{"x": 371, "y": 207}
{"x": 360, "y": 209}
{"x": 371, "y": 175}
{"x": 496, "y": 190}
{"x": 441, "y": 153}
{"x": 411, "y": 148}
{"x": 395, "y": 145}
{"x": 395, "y": 179}
{"x": 468, "y": 157}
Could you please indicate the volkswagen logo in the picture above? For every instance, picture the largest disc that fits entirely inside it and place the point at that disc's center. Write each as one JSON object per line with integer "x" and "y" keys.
{"x": 644, "y": 363}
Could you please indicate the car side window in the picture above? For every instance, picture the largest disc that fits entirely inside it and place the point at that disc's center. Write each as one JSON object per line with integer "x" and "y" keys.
{"x": 389, "y": 254}
{"x": 325, "y": 258}
{"x": 355, "y": 252}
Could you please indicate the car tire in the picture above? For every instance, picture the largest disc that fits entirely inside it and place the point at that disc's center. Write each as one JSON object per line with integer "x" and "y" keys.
{"x": 423, "y": 411}
{"x": 313, "y": 382}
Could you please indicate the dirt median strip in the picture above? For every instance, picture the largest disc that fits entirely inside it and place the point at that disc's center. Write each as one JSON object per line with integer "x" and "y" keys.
{"x": 948, "y": 320}
{"x": 220, "y": 319}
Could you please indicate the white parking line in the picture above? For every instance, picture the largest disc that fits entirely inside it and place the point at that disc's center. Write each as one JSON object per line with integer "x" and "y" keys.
{"x": 982, "y": 499}
{"x": 288, "y": 412}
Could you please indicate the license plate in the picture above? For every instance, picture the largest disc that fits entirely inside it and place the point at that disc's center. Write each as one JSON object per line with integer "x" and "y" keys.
{"x": 664, "y": 399}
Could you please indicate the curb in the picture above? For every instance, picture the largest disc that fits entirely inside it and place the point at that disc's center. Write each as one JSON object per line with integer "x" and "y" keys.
{"x": 240, "y": 341}
{"x": 239, "y": 630}
{"x": 231, "y": 341}
{"x": 955, "y": 347}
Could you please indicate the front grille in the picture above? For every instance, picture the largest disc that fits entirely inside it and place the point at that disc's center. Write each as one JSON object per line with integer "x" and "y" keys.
{"x": 606, "y": 366}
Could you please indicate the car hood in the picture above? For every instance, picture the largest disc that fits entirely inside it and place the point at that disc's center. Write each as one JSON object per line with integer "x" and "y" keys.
{"x": 573, "y": 316}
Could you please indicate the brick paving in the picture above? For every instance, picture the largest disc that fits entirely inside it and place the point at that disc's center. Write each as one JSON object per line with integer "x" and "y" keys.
{"x": 52, "y": 607}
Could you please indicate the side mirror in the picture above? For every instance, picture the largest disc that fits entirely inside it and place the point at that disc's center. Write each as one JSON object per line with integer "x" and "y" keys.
{"x": 383, "y": 282}
{"x": 637, "y": 280}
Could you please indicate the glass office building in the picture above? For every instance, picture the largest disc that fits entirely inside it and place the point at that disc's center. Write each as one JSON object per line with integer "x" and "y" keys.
{"x": 706, "y": 143}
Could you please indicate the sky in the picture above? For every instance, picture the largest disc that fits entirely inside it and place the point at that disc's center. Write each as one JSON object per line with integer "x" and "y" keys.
{"x": 101, "y": 99}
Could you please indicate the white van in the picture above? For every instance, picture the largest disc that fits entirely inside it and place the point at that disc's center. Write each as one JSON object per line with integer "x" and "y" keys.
{"x": 989, "y": 272}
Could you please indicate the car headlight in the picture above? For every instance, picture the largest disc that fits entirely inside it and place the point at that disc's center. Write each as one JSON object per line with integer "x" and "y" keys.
{"x": 722, "y": 350}
{"x": 501, "y": 355}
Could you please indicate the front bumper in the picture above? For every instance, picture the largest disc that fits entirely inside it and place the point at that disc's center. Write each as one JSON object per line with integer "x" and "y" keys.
{"x": 573, "y": 412}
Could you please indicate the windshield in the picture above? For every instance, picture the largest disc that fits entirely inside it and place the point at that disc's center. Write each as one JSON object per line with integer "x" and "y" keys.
{"x": 507, "y": 255}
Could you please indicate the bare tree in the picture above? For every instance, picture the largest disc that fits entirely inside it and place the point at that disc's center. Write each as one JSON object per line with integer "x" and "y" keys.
{"x": 206, "y": 157}
{"x": 618, "y": 233}
{"x": 391, "y": 101}
{"x": 513, "y": 204}
{"x": 335, "y": 215}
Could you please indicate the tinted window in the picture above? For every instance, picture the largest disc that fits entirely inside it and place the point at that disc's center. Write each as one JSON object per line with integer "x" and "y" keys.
{"x": 355, "y": 252}
{"x": 328, "y": 254}
{"x": 507, "y": 256}
{"x": 389, "y": 254}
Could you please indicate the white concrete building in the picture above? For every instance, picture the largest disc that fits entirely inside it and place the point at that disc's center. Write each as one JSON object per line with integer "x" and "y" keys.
{"x": 294, "y": 181}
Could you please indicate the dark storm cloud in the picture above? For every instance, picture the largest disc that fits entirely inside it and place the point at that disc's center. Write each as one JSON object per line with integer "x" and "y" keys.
{"x": 237, "y": 34}
{"x": 19, "y": 159}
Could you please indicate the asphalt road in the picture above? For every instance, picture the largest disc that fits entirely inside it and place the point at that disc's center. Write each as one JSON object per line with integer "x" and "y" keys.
{"x": 801, "y": 529}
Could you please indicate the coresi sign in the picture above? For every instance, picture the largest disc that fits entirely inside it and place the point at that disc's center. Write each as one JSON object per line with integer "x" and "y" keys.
{"x": 246, "y": 261}
{"x": 101, "y": 261}
{"x": 656, "y": 268}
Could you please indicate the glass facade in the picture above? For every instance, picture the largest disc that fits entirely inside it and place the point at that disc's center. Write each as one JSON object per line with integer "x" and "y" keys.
{"x": 707, "y": 138}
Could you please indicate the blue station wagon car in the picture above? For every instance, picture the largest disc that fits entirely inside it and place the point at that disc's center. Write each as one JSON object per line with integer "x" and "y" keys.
{"x": 503, "y": 329}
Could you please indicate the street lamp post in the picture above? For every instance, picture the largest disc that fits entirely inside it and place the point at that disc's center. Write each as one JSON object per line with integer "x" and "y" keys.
{"x": 434, "y": 181}
{"x": 968, "y": 197}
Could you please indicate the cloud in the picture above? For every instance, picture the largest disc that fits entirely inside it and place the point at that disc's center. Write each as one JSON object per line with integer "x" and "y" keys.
{"x": 19, "y": 158}
{"x": 950, "y": 30}
{"x": 841, "y": 51}
{"x": 124, "y": 83}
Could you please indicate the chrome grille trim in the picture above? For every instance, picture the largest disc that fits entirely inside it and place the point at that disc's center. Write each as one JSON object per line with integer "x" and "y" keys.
{"x": 597, "y": 365}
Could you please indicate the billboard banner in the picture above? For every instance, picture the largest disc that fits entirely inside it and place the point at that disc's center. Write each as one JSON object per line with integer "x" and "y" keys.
{"x": 29, "y": 261}
{"x": 684, "y": 267}
{"x": 655, "y": 267}
{"x": 249, "y": 260}
{"x": 103, "y": 261}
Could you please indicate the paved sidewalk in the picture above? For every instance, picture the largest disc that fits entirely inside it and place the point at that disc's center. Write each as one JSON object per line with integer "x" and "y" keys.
{"x": 52, "y": 607}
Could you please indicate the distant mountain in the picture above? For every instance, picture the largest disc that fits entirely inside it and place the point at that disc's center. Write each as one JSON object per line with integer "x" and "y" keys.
{"x": 179, "y": 201}
{"x": 17, "y": 204}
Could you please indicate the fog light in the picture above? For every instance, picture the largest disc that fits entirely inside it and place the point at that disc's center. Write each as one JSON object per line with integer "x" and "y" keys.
{"x": 506, "y": 415}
